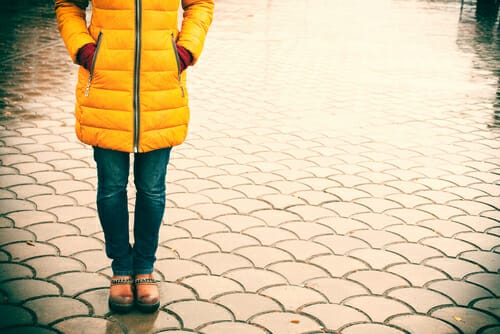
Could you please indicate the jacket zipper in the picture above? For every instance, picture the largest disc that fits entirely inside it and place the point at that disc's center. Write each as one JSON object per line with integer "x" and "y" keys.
{"x": 178, "y": 61}
{"x": 137, "y": 69}
{"x": 92, "y": 65}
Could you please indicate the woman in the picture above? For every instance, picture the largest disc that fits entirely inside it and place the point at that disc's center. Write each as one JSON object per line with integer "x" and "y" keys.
{"x": 131, "y": 98}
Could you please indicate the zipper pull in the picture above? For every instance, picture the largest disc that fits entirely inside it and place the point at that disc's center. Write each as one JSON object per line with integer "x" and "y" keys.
{"x": 87, "y": 89}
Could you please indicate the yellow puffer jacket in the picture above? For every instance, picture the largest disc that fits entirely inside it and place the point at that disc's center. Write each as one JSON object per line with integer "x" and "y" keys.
{"x": 134, "y": 98}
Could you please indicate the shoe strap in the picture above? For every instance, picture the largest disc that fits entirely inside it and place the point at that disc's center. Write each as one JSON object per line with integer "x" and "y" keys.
{"x": 118, "y": 281}
{"x": 146, "y": 280}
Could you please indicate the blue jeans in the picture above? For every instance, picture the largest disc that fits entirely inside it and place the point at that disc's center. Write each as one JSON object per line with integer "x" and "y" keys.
{"x": 112, "y": 206}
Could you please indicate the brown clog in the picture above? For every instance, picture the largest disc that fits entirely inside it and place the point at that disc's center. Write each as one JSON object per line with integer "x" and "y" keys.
{"x": 121, "y": 294}
{"x": 147, "y": 295}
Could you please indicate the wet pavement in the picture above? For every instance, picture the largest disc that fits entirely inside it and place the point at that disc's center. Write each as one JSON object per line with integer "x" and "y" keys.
{"x": 341, "y": 175}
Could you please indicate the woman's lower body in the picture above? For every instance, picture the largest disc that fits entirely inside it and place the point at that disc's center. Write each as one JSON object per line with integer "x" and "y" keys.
{"x": 131, "y": 260}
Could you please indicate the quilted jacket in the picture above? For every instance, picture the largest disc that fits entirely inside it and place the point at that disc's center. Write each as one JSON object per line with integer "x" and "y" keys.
{"x": 134, "y": 97}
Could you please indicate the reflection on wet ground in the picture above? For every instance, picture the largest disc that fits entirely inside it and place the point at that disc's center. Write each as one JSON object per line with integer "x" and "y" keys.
{"x": 33, "y": 62}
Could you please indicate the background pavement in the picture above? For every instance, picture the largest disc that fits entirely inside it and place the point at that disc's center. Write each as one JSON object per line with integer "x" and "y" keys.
{"x": 341, "y": 176}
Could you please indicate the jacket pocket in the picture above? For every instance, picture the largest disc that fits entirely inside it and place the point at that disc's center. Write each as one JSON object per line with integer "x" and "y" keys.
{"x": 92, "y": 65}
{"x": 178, "y": 62}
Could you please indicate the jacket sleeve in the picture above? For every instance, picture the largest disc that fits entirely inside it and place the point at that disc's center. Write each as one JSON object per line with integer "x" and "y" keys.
{"x": 72, "y": 25}
{"x": 197, "y": 18}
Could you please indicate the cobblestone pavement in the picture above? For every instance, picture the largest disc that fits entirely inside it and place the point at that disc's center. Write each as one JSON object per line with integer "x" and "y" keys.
{"x": 341, "y": 176}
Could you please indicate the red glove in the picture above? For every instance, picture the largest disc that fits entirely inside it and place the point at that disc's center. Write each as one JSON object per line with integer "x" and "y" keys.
{"x": 185, "y": 57}
{"x": 85, "y": 55}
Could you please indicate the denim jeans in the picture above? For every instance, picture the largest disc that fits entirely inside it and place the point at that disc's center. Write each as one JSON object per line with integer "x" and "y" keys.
{"x": 112, "y": 206}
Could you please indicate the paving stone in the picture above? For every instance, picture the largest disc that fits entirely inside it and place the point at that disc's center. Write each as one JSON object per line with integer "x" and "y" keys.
{"x": 88, "y": 225}
{"x": 478, "y": 224}
{"x": 484, "y": 241}
{"x": 12, "y": 234}
{"x": 337, "y": 289}
{"x": 455, "y": 268}
{"x": 415, "y": 323}
{"x": 276, "y": 217}
{"x": 15, "y": 316}
{"x": 345, "y": 209}
{"x": 302, "y": 249}
{"x": 488, "y": 260}
{"x": 220, "y": 263}
{"x": 98, "y": 300}
{"x": 341, "y": 244}
{"x": 12, "y": 205}
{"x": 29, "y": 190}
{"x": 486, "y": 280}
{"x": 270, "y": 235}
{"x": 15, "y": 270}
{"x": 188, "y": 248}
{"x": 69, "y": 213}
{"x": 347, "y": 194}
{"x": 74, "y": 283}
{"x": 25, "y": 218}
{"x": 46, "y": 266}
{"x": 23, "y": 250}
{"x": 222, "y": 195}
{"x": 338, "y": 265}
{"x": 490, "y": 305}
{"x": 171, "y": 292}
{"x": 378, "y": 308}
{"x": 410, "y": 216}
{"x": 88, "y": 325}
{"x": 306, "y": 230}
{"x": 26, "y": 168}
{"x": 284, "y": 322}
{"x": 421, "y": 299}
{"x": 199, "y": 228}
{"x": 245, "y": 305}
{"x": 490, "y": 330}
{"x": 207, "y": 286}
{"x": 446, "y": 228}
{"x": 377, "y": 258}
{"x": 19, "y": 290}
{"x": 418, "y": 275}
{"x": 45, "y": 177}
{"x": 71, "y": 244}
{"x": 69, "y": 186}
{"x": 174, "y": 269}
{"x": 377, "y": 239}
{"x": 254, "y": 279}
{"x": 378, "y": 221}
{"x": 415, "y": 253}
{"x": 44, "y": 202}
{"x": 232, "y": 327}
{"x": 297, "y": 272}
{"x": 195, "y": 314}
{"x": 370, "y": 328}
{"x": 136, "y": 322}
{"x": 335, "y": 316}
{"x": 460, "y": 292}
{"x": 50, "y": 309}
{"x": 262, "y": 256}
{"x": 12, "y": 159}
{"x": 377, "y": 281}
{"x": 469, "y": 321}
{"x": 293, "y": 297}
{"x": 229, "y": 241}
{"x": 450, "y": 247}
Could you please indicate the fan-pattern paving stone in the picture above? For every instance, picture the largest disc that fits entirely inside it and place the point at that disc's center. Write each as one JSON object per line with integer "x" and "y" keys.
{"x": 246, "y": 305}
{"x": 50, "y": 309}
{"x": 15, "y": 316}
{"x": 287, "y": 203}
{"x": 335, "y": 316}
{"x": 195, "y": 314}
{"x": 137, "y": 323}
{"x": 208, "y": 287}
